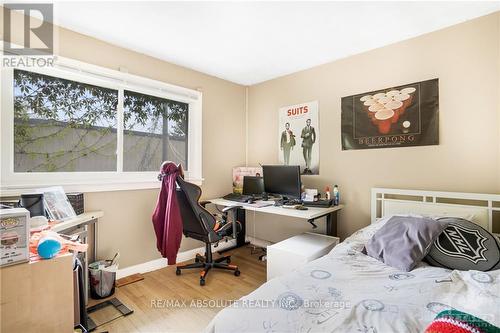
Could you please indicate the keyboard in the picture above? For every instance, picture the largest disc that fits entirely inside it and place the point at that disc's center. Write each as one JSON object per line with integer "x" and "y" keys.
{"x": 290, "y": 202}
{"x": 237, "y": 197}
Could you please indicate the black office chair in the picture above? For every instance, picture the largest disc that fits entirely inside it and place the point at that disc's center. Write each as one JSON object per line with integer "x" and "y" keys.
{"x": 200, "y": 224}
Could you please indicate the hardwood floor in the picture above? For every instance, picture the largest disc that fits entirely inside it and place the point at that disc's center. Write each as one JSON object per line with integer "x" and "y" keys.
{"x": 163, "y": 302}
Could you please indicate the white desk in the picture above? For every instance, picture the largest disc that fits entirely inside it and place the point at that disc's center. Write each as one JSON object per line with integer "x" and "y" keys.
{"x": 82, "y": 220}
{"x": 77, "y": 220}
{"x": 311, "y": 214}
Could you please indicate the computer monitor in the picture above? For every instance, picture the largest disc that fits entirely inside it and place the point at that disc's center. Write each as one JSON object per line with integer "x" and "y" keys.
{"x": 253, "y": 185}
{"x": 283, "y": 180}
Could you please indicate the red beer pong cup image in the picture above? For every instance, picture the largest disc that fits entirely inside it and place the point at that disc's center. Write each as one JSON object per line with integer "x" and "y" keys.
{"x": 374, "y": 109}
{"x": 384, "y": 99}
{"x": 384, "y": 120}
{"x": 392, "y": 93}
{"x": 405, "y": 98}
{"x": 397, "y": 107}
{"x": 368, "y": 103}
{"x": 409, "y": 91}
{"x": 365, "y": 98}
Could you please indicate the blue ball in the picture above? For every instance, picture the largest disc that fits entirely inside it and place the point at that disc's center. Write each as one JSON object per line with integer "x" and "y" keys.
{"x": 48, "y": 248}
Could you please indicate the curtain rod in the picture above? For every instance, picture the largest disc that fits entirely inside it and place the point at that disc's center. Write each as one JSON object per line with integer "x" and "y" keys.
{"x": 77, "y": 69}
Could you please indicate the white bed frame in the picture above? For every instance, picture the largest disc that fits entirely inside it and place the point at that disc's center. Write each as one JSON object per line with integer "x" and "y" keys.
{"x": 483, "y": 209}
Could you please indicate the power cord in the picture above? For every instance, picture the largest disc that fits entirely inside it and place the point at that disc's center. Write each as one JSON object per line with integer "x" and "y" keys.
{"x": 254, "y": 249}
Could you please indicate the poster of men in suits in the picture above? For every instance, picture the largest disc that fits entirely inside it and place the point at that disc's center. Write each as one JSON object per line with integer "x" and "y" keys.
{"x": 298, "y": 136}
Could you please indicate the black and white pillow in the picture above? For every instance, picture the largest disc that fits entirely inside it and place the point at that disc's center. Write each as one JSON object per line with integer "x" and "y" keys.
{"x": 464, "y": 245}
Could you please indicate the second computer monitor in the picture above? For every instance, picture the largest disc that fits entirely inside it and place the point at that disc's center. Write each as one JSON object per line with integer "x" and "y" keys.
{"x": 283, "y": 180}
{"x": 253, "y": 185}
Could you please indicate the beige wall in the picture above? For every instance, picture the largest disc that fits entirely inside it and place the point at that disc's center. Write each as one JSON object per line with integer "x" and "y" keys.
{"x": 465, "y": 58}
{"x": 126, "y": 225}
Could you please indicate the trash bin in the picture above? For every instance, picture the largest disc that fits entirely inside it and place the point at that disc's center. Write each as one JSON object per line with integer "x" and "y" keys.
{"x": 102, "y": 276}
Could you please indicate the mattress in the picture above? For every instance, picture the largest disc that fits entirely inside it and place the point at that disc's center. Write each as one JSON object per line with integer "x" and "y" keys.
{"x": 347, "y": 291}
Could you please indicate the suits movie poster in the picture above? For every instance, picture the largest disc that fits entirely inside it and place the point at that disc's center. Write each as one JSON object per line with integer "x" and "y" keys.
{"x": 298, "y": 137}
{"x": 401, "y": 116}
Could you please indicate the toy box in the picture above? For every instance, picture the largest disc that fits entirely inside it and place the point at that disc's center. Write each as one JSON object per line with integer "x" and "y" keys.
{"x": 14, "y": 236}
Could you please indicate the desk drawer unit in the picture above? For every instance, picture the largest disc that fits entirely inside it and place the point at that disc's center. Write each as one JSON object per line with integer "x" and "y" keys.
{"x": 287, "y": 255}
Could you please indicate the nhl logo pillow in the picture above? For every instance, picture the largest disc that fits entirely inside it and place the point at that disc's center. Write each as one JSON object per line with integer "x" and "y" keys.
{"x": 464, "y": 245}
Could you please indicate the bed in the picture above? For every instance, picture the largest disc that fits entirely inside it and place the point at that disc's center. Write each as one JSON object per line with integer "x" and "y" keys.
{"x": 347, "y": 291}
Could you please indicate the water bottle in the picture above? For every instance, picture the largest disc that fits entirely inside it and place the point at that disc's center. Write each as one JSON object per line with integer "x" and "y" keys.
{"x": 336, "y": 195}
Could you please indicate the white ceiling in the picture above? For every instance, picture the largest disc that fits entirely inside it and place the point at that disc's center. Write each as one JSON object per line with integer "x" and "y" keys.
{"x": 250, "y": 42}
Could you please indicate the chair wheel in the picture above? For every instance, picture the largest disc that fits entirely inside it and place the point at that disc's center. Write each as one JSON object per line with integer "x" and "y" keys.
{"x": 178, "y": 271}
{"x": 237, "y": 272}
{"x": 202, "y": 282}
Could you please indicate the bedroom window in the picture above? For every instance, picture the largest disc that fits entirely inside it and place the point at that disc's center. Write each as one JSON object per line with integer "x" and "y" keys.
{"x": 155, "y": 130}
{"x": 63, "y": 125}
{"x": 90, "y": 129}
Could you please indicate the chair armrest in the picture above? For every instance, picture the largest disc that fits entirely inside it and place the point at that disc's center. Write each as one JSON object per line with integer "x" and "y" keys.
{"x": 230, "y": 208}
{"x": 204, "y": 203}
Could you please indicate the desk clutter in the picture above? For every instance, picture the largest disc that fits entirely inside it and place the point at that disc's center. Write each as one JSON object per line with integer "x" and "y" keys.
{"x": 20, "y": 243}
{"x": 51, "y": 202}
{"x": 49, "y": 225}
{"x": 26, "y": 226}
{"x": 281, "y": 184}
{"x": 278, "y": 190}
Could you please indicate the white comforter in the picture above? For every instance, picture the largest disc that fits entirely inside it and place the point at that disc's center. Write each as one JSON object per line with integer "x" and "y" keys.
{"x": 347, "y": 291}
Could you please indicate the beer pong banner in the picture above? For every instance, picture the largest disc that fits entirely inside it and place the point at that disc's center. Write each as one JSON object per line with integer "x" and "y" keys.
{"x": 298, "y": 137}
{"x": 400, "y": 116}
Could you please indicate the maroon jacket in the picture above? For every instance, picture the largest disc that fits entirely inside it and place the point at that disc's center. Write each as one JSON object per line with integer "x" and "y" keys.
{"x": 167, "y": 220}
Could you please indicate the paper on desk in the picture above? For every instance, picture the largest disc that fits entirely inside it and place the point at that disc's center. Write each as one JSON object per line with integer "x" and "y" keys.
{"x": 259, "y": 204}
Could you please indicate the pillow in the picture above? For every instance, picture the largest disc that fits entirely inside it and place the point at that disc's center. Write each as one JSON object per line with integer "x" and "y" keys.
{"x": 464, "y": 245}
{"x": 404, "y": 241}
{"x": 436, "y": 216}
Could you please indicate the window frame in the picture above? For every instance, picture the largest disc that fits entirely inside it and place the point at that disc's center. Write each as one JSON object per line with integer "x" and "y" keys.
{"x": 16, "y": 182}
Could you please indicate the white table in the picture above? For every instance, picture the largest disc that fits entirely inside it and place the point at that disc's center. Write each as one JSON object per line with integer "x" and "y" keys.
{"x": 77, "y": 220}
{"x": 82, "y": 220}
{"x": 311, "y": 214}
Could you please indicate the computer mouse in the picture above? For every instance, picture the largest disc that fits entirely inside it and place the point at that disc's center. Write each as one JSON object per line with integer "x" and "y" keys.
{"x": 250, "y": 201}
